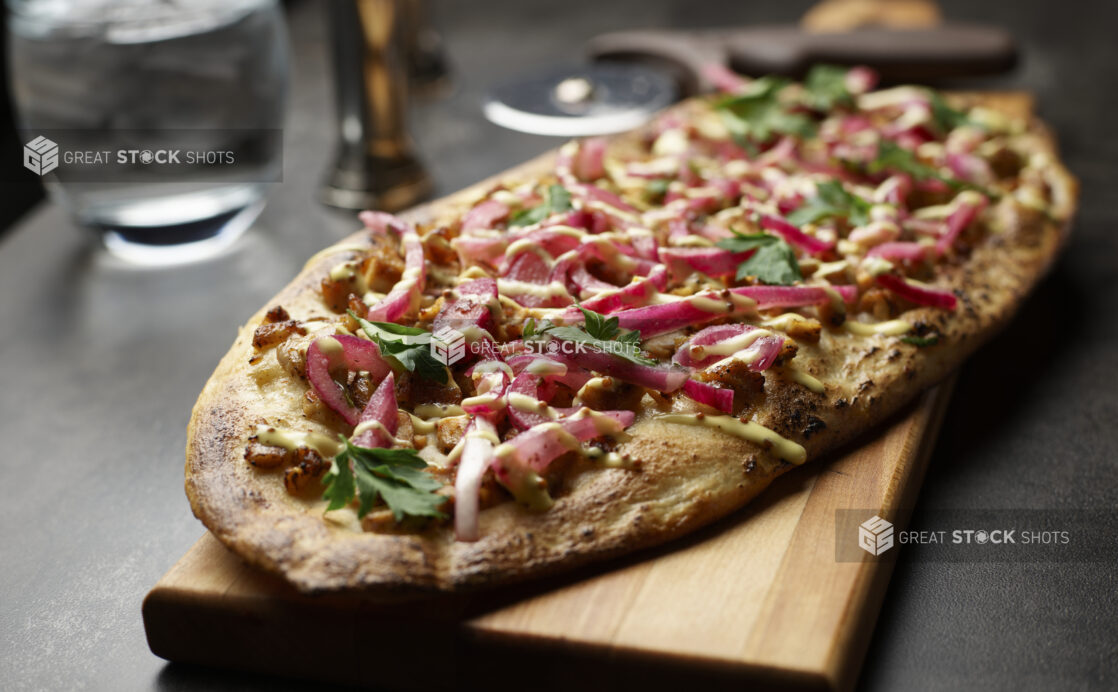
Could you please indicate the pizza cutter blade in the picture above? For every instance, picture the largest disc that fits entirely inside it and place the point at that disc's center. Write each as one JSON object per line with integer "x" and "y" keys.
{"x": 597, "y": 99}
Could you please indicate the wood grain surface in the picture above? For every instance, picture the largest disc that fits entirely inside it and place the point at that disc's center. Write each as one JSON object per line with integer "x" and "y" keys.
{"x": 756, "y": 598}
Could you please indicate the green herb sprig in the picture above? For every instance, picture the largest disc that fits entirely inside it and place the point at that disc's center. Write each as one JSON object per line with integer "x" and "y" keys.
{"x": 407, "y": 347}
{"x": 394, "y": 475}
{"x": 597, "y": 331}
{"x": 832, "y": 200}
{"x": 825, "y": 88}
{"x": 558, "y": 199}
{"x": 757, "y": 114}
{"x": 774, "y": 262}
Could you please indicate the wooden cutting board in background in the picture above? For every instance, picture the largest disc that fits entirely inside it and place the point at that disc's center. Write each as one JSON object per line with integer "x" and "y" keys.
{"x": 758, "y": 598}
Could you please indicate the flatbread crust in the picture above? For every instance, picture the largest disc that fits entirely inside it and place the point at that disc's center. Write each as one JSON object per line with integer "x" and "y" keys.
{"x": 689, "y": 476}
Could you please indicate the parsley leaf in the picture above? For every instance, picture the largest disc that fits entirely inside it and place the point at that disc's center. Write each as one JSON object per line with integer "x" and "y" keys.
{"x": 832, "y": 199}
{"x": 757, "y": 113}
{"x": 656, "y": 189}
{"x": 774, "y": 262}
{"x": 528, "y": 331}
{"x": 394, "y": 475}
{"x": 533, "y": 331}
{"x": 408, "y": 347}
{"x": 557, "y": 199}
{"x": 946, "y": 117}
{"x": 893, "y": 156}
{"x": 826, "y": 87}
{"x": 740, "y": 242}
{"x": 598, "y": 325}
{"x": 604, "y": 334}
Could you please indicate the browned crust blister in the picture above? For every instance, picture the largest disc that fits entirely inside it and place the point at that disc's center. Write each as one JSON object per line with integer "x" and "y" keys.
{"x": 689, "y": 476}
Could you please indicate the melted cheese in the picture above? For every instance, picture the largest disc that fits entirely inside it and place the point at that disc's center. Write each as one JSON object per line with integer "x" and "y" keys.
{"x": 329, "y": 347}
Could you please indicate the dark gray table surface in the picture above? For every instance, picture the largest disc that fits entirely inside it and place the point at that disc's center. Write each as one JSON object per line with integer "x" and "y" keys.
{"x": 102, "y": 363}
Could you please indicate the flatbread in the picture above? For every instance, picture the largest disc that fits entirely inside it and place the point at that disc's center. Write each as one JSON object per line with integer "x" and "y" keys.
{"x": 689, "y": 475}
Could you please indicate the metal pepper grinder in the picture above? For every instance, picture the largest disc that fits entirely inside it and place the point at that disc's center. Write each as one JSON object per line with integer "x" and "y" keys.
{"x": 376, "y": 167}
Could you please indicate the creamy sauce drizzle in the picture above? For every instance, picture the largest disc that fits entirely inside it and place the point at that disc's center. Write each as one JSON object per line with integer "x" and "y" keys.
{"x": 428, "y": 411}
{"x": 544, "y": 367}
{"x": 293, "y": 439}
{"x": 594, "y": 384}
{"x": 753, "y": 432}
{"x": 520, "y": 288}
{"x": 527, "y": 404}
{"x": 801, "y": 377}
{"x": 368, "y": 425}
{"x": 890, "y": 328}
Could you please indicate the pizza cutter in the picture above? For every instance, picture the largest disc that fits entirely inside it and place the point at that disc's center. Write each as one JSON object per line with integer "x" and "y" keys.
{"x": 634, "y": 74}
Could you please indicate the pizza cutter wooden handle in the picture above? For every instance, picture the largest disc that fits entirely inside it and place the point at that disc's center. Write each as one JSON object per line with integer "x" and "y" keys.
{"x": 951, "y": 50}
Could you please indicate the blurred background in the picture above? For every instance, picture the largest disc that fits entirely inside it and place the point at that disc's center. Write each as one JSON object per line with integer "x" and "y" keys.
{"x": 459, "y": 53}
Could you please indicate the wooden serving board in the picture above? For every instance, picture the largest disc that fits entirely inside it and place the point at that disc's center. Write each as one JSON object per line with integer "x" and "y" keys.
{"x": 758, "y": 598}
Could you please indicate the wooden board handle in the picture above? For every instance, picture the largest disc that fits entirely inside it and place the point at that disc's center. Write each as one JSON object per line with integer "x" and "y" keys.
{"x": 950, "y": 50}
{"x": 920, "y": 55}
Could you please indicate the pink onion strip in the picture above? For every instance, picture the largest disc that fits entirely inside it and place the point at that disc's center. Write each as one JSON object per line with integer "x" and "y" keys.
{"x": 715, "y": 262}
{"x": 354, "y": 355}
{"x": 539, "y": 446}
{"x": 654, "y": 377}
{"x": 485, "y": 215}
{"x": 920, "y": 295}
{"x": 477, "y": 456}
{"x": 637, "y": 293}
{"x": 794, "y": 235}
{"x": 905, "y": 251}
{"x": 589, "y": 162}
{"x": 965, "y": 212}
{"x": 706, "y": 393}
{"x": 765, "y": 349}
{"x": 381, "y": 415}
{"x": 404, "y": 296}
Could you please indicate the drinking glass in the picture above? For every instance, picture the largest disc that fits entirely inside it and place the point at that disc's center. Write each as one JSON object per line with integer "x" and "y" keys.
{"x": 156, "y": 123}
